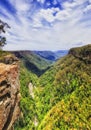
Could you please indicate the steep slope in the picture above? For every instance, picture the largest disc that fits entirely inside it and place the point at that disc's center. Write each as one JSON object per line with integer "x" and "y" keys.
{"x": 9, "y": 91}
{"x": 32, "y": 62}
{"x": 27, "y": 103}
{"x": 60, "y": 97}
{"x": 64, "y": 92}
{"x": 72, "y": 112}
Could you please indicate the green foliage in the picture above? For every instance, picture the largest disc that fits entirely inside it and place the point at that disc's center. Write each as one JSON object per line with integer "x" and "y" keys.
{"x": 33, "y": 62}
{"x": 83, "y": 53}
{"x": 27, "y": 104}
{"x": 72, "y": 112}
{"x": 62, "y": 98}
{"x": 58, "y": 83}
{"x": 3, "y": 53}
{"x": 2, "y": 30}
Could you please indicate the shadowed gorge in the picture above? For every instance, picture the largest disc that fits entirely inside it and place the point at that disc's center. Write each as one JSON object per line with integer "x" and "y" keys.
{"x": 33, "y": 62}
{"x": 60, "y": 97}
{"x": 70, "y": 92}
{"x": 45, "y": 64}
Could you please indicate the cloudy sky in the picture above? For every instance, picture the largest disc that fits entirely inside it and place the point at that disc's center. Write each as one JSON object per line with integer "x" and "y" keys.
{"x": 46, "y": 24}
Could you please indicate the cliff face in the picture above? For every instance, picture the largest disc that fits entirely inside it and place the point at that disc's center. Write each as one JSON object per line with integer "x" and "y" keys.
{"x": 9, "y": 95}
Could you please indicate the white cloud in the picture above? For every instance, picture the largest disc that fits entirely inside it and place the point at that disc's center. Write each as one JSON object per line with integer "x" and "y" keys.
{"x": 48, "y": 15}
{"x": 79, "y": 2}
{"x": 42, "y": 1}
{"x": 54, "y": 2}
{"x": 69, "y": 5}
{"x": 32, "y": 34}
{"x": 88, "y": 8}
{"x": 21, "y": 5}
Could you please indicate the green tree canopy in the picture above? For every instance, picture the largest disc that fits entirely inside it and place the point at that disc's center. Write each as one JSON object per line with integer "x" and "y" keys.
{"x": 3, "y": 27}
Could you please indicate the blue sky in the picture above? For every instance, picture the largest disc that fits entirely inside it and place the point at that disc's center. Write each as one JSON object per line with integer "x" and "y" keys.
{"x": 46, "y": 24}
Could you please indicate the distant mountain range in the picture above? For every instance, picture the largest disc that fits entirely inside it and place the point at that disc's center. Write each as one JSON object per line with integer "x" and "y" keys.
{"x": 61, "y": 88}
{"x": 52, "y": 55}
{"x": 38, "y": 61}
{"x": 62, "y": 92}
{"x": 33, "y": 62}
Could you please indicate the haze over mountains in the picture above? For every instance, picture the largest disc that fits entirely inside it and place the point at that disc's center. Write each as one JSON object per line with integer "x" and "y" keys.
{"x": 61, "y": 90}
{"x": 52, "y": 55}
{"x": 38, "y": 61}
{"x": 47, "y": 55}
{"x": 54, "y": 95}
{"x": 45, "y": 67}
{"x": 61, "y": 94}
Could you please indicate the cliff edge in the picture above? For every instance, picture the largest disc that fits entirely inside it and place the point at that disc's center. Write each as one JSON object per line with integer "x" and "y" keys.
{"x": 9, "y": 93}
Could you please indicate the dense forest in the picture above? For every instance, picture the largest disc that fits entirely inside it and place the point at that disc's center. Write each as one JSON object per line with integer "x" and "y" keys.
{"x": 60, "y": 98}
{"x": 45, "y": 90}
{"x": 58, "y": 95}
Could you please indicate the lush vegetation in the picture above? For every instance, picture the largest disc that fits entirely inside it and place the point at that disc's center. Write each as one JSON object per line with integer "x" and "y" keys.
{"x": 62, "y": 92}
{"x": 33, "y": 62}
{"x": 62, "y": 98}
{"x": 27, "y": 103}
{"x": 72, "y": 112}
{"x": 5, "y": 56}
{"x": 2, "y": 54}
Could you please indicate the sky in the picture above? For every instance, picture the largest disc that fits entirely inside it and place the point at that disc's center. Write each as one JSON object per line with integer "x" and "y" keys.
{"x": 46, "y": 24}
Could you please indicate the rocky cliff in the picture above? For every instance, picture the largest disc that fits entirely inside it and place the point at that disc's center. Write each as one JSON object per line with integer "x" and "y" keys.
{"x": 9, "y": 93}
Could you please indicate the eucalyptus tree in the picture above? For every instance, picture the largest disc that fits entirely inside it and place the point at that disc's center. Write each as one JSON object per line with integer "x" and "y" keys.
{"x": 3, "y": 27}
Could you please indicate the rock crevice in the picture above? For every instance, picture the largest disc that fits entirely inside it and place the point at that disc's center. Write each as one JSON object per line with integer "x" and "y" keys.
{"x": 9, "y": 95}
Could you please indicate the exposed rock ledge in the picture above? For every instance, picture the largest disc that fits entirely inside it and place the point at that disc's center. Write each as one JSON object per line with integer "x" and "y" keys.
{"x": 9, "y": 95}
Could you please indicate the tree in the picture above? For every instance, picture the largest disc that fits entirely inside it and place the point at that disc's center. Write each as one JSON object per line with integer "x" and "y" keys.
{"x": 3, "y": 27}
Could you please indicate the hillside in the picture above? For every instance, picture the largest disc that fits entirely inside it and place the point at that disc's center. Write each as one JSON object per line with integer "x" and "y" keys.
{"x": 48, "y": 55}
{"x": 64, "y": 92}
{"x": 60, "y": 98}
{"x": 51, "y": 55}
{"x": 32, "y": 61}
{"x": 27, "y": 103}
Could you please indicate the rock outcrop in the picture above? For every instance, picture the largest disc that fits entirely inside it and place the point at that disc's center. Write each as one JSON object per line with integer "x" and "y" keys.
{"x": 9, "y": 95}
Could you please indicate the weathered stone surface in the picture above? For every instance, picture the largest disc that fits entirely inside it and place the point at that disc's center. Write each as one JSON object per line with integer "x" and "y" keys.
{"x": 9, "y": 95}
